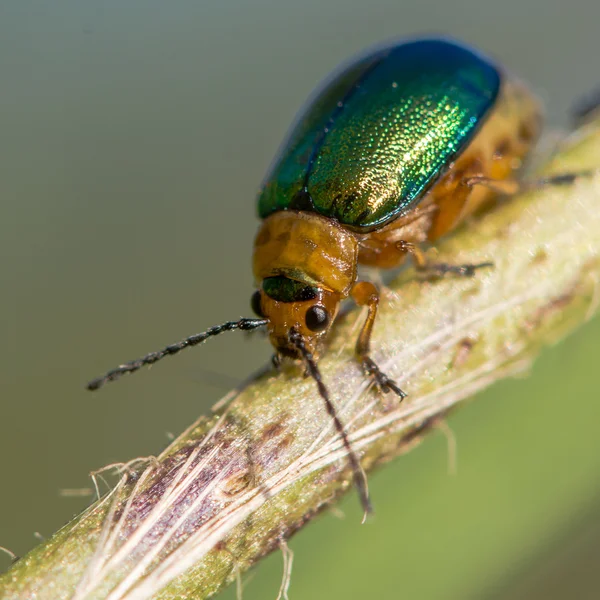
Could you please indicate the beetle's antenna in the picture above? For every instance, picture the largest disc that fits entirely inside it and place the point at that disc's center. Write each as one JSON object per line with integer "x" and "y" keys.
{"x": 360, "y": 479}
{"x": 192, "y": 340}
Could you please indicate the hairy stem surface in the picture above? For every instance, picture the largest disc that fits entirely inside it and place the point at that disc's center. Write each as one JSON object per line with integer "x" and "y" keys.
{"x": 236, "y": 485}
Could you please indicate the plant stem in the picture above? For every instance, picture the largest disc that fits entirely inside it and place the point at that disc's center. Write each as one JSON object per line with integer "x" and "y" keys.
{"x": 236, "y": 485}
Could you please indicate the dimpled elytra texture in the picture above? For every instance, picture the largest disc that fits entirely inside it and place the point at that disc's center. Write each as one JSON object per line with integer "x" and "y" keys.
{"x": 380, "y": 133}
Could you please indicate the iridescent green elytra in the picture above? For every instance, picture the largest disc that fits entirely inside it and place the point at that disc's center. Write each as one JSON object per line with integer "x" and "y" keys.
{"x": 381, "y": 133}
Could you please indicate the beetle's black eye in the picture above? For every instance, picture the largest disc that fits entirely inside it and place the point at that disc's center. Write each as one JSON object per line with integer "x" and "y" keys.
{"x": 255, "y": 304}
{"x": 317, "y": 318}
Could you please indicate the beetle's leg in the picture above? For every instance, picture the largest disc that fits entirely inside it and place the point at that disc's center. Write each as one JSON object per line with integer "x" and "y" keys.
{"x": 439, "y": 269}
{"x": 509, "y": 187}
{"x": 365, "y": 293}
{"x": 586, "y": 107}
{"x": 504, "y": 187}
{"x": 380, "y": 248}
{"x": 276, "y": 361}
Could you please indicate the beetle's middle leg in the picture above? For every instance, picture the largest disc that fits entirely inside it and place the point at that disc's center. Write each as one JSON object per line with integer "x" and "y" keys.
{"x": 365, "y": 293}
{"x": 388, "y": 248}
{"x": 438, "y": 269}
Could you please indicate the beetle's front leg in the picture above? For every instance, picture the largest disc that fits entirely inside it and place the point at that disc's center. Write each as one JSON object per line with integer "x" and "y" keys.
{"x": 366, "y": 294}
{"x": 439, "y": 269}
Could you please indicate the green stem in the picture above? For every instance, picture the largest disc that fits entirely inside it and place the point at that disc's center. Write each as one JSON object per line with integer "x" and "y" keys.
{"x": 235, "y": 486}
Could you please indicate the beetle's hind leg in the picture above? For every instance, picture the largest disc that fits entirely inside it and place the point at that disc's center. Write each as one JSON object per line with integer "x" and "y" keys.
{"x": 585, "y": 108}
{"x": 509, "y": 187}
{"x": 439, "y": 269}
{"x": 366, "y": 294}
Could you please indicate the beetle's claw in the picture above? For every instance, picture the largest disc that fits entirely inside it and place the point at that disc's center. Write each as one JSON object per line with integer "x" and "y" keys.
{"x": 466, "y": 270}
{"x": 384, "y": 383}
{"x": 390, "y": 384}
{"x": 276, "y": 361}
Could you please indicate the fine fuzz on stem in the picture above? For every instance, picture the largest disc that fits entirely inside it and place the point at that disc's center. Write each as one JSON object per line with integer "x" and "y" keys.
{"x": 236, "y": 486}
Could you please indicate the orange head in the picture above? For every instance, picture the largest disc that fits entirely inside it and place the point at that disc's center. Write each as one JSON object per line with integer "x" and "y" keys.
{"x": 290, "y": 305}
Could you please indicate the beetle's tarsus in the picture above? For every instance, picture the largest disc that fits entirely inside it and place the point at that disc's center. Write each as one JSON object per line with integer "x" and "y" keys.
{"x": 586, "y": 107}
{"x": 381, "y": 379}
{"x": 441, "y": 269}
{"x": 276, "y": 362}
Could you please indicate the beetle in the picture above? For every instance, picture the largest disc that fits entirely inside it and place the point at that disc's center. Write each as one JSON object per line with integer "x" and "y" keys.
{"x": 393, "y": 152}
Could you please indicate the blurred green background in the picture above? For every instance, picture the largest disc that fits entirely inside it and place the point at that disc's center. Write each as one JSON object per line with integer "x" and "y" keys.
{"x": 133, "y": 136}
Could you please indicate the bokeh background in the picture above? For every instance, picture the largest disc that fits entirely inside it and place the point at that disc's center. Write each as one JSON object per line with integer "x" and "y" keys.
{"x": 133, "y": 136}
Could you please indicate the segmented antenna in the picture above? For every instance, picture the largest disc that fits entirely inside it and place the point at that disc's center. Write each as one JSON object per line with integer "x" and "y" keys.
{"x": 192, "y": 340}
{"x": 360, "y": 479}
